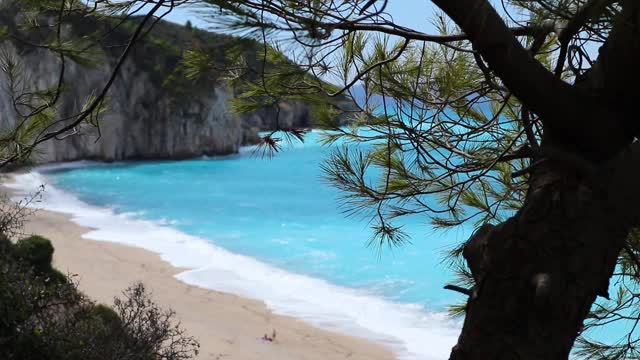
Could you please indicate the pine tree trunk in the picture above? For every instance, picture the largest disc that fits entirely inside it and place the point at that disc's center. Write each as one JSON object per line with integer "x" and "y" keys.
{"x": 538, "y": 273}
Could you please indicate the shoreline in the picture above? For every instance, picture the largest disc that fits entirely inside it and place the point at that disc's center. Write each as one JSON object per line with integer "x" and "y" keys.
{"x": 228, "y": 326}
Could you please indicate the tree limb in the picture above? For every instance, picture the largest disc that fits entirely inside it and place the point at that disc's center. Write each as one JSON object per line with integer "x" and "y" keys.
{"x": 568, "y": 113}
{"x": 590, "y": 10}
{"x": 615, "y": 71}
{"x": 440, "y": 39}
{"x": 457, "y": 288}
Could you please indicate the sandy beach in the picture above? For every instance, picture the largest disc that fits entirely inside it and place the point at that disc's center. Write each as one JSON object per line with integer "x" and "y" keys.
{"x": 227, "y": 326}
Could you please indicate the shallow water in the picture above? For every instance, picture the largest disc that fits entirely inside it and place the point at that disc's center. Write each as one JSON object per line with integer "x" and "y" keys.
{"x": 273, "y": 230}
{"x": 270, "y": 229}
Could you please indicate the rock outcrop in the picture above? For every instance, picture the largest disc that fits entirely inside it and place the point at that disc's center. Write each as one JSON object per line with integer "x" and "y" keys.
{"x": 152, "y": 113}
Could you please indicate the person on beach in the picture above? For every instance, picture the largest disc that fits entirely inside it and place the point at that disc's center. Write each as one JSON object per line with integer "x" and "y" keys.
{"x": 269, "y": 338}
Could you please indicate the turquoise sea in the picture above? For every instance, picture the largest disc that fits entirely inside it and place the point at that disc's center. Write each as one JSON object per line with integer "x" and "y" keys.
{"x": 272, "y": 229}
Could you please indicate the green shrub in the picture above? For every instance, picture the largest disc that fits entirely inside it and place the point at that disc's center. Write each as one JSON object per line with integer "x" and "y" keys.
{"x": 55, "y": 276}
{"x": 107, "y": 316}
{"x": 6, "y": 245}
{"x": 41, "y": 319}
{"x": 43, "y": 316}
{"x": 37, "y": 251}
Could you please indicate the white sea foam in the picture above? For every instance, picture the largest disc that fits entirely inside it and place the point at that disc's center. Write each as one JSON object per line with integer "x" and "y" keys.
{"x": 411, "y": 331}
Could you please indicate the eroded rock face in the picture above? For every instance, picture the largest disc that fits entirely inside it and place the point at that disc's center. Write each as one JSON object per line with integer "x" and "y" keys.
{"x": 143, "y": 120}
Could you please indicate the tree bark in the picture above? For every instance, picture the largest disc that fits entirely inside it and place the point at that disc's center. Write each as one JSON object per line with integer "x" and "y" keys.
{"x": 538, "y": 273}
{"x": 568, "y": 112}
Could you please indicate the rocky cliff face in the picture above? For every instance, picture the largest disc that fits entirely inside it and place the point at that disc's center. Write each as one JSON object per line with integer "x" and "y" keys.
{"x": 152, "y": 114}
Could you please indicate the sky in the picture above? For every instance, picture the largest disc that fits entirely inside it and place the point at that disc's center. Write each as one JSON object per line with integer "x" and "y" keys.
{"x": 415, "y": 14}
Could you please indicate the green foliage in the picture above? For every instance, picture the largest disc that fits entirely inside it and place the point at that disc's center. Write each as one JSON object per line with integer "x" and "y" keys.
{"x": 436, "y": 133}
{"x": 81, "y": 37}
{"x": 45, "y": 319}
{"x": 37, "y": 251}
{"x": 108, "y": 316}
{"x": 197, "y": 63}
{"x": 410, "y": 136}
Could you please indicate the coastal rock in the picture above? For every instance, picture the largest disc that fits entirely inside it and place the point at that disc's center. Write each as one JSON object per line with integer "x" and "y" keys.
{"x": 151, "y": 112}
